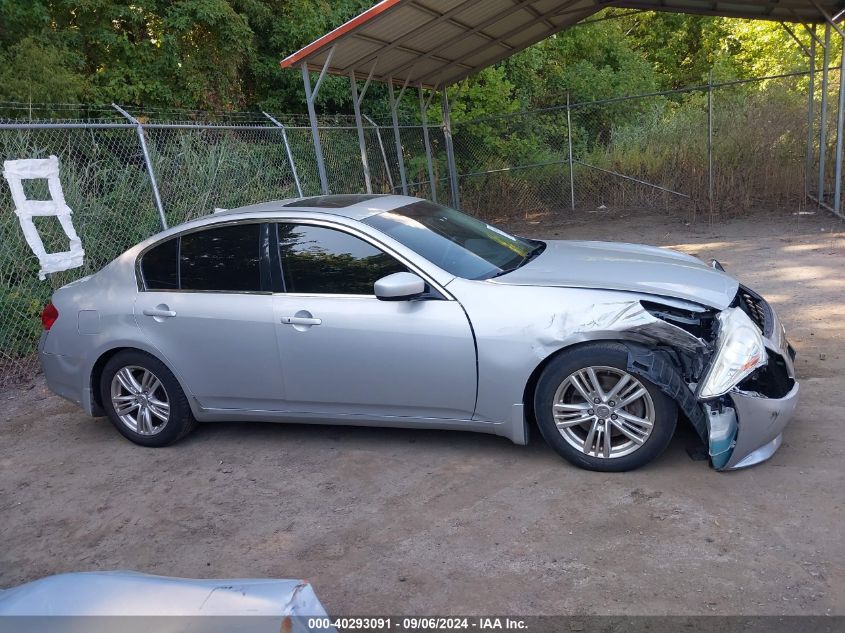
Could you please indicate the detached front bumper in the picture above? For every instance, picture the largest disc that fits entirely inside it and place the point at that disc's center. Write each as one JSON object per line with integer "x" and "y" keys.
{"x": 760, "y": 424}
{"x": 755, "y": 412}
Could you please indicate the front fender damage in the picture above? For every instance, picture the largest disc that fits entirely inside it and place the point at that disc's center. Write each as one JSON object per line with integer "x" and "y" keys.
{"x": 657, "y": 366}
{"x": 671, "y": 357}
{"x": 635, "y": 321}
{"x": 672, "y": 347}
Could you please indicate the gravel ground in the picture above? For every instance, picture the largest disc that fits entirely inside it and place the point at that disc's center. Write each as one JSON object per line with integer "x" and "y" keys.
{"x": 399, "y": 521}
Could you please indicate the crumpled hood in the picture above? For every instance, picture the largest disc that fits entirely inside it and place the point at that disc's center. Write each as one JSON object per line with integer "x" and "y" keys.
{"x": 627, "y": 267}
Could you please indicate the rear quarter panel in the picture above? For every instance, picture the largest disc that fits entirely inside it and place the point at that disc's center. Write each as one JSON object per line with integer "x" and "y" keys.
{"x": 95, "y": 316}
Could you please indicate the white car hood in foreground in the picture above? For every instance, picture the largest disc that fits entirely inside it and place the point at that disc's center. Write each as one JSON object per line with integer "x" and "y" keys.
{"x": 627, "y": 267}
{"x": 81, "y": 601}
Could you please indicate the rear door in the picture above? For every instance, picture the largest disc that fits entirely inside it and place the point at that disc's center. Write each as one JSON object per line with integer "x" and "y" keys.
{"x": 207, "y": 308}
{"x": 346, "y": 353}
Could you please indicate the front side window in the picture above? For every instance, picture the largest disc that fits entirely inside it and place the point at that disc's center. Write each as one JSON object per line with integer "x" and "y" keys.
{"x": 459, "y": 244}
{"x": 320, "y": 260}
{"x": 224, "y": 259}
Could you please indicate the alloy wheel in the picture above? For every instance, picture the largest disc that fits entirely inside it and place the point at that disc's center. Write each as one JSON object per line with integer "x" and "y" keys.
{"x": 140, "y": 400}
{"x": 604, "y": 412}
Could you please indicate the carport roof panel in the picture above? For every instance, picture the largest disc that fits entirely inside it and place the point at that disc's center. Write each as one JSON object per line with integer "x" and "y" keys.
{"x": 438, "y": 42}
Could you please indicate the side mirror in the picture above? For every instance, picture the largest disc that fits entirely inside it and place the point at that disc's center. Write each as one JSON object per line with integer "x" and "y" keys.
{"x": 399, "y": 287}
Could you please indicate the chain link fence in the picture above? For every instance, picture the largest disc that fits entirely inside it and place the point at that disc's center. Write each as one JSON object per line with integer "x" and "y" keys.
{"x": 712, "y": 151}
{"x": 198, "y": 166}
{"x": 707, "y": 150}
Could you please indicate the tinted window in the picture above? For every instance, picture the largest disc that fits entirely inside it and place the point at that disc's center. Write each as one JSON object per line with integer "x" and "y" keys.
{"x": 159, "y": 266}
{"x": 457, "y": 243}
{"x": 222, "y": 259}
{"x": 325, "y": 261}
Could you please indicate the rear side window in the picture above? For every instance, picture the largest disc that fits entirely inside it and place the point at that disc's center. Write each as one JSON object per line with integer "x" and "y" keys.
{"x": 319, "y": 260}
{"x": 160, "y": 266}
{"x": 224, "y": 259}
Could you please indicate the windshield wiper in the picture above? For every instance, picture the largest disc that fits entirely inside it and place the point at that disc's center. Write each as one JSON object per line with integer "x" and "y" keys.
{"x": 532, "y": 254}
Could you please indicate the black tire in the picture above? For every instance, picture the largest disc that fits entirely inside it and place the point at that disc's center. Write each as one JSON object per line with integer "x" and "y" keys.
{"x": 180, "y": 421}
{"x": 609, "y": 355}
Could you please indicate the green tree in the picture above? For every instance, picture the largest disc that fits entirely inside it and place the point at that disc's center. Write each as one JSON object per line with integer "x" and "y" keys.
{"x": 590, "y": 61}
{"x": 194, "y": 54}
{"x": 224, "y": 55}
{"x": 23, "y": 77}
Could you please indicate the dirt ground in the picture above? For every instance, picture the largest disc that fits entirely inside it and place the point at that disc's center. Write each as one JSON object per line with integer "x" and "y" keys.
{"x": 432, "y": 522}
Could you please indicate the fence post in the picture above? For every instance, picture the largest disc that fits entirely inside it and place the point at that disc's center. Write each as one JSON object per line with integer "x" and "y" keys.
{"x": 450, "y": 148}
{"x": 287, "y": 151}
{"x": 394, "y": 113}
{"x": 811, "y": 97}
{"x": 424, "y": 103}
{"x": 139, "y": 129}
{"x": 381, "y": 149}
{"x": 571, "y": 159}
{"x": 840, "y": 124}
{"x": 362, "y": 142}
{"x": 823, "y": 116}
{"x": 710, "y": 143}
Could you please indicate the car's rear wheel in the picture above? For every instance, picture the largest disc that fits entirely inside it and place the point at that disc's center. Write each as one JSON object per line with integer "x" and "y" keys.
{"x": 598, "y": 415}
{"x": 144, "y": 400}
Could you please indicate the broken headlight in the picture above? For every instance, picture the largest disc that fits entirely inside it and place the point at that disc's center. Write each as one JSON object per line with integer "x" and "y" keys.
{"x": 739, "y": 352}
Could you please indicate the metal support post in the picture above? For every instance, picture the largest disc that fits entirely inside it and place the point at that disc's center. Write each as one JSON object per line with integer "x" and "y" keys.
{"x": 792, "y": 34}
{"x": 811, "y": 101}
{"x": 710, "y": 143}
{"x": 139, "y": 129}
{"x": 424, "y": 104}
{"x": 840, "y": 123}
{"x": 310, "y": 97}
{"x": 381, "y": 149}
{"x": 450, "y": 149}
{"x": 830, "y": 20}
{"x": 357, "y": 99}
{"x": 571, "y": 158}
{"x": 394, "y": 113}
{"x": 288, "y": 152}
{"x": 823, "y": 115}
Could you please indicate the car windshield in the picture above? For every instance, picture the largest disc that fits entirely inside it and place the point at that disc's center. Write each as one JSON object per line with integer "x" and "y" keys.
{"x": 459, "y": 244}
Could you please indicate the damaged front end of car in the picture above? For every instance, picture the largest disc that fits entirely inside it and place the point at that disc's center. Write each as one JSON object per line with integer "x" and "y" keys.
{"x": 730, "y": 371}
{"x": 749, "y": 388}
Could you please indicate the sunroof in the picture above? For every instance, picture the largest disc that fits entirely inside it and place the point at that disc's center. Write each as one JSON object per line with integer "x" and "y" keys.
{"x": 338, "y": 201}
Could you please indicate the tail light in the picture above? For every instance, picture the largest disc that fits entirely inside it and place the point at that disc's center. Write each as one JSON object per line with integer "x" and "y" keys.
{"x": 49, "y": 315}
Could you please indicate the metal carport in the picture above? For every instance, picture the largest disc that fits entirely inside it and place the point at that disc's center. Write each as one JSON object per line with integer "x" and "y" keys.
{"x": 432, "y": 44}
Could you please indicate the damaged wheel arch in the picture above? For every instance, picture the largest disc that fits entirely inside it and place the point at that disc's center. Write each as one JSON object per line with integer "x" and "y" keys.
{"x": 666, "y": 342}
{"x": 599, "y": 416}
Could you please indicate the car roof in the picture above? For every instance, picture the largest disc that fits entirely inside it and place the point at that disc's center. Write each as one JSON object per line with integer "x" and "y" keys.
{"x": 354, "y": 206}
{"x": 351, "y": 206}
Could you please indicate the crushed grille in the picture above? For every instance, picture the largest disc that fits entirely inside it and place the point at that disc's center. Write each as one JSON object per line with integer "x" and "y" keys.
{"x": 755, "y": 307}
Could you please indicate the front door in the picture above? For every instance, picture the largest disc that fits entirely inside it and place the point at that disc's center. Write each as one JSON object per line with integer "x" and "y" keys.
{"x": 344, "y": 352}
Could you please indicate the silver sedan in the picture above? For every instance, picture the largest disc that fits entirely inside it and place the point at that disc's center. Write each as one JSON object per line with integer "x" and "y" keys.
{"x": 394, "y": 311}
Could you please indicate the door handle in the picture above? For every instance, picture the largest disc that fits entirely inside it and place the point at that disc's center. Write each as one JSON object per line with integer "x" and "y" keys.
{"x": 295, "y": 320}
{"x": 159, "y": 312}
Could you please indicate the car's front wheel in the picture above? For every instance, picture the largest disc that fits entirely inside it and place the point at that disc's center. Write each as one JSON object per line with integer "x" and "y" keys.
{"x": 144, "y": 400}
{"x": 598, "y": 415}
